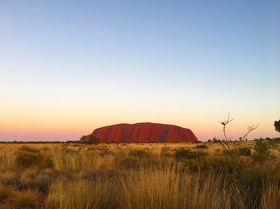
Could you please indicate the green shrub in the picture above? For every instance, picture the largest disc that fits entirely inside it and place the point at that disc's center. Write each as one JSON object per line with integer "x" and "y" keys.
{"x": 262, "y": 149}
{"x": 223, "y": 164}
{"x": 216, "y": 164}
{"x": 254, "y": 181}
{"x": 262, "y": 146}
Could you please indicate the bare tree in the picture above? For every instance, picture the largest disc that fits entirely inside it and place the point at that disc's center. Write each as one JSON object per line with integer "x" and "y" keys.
{"x": 226, "y": 142}
{"x": 250, "y": 129}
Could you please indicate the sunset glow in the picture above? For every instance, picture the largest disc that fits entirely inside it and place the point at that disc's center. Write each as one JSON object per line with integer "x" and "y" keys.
{"x": 68, "y": 67}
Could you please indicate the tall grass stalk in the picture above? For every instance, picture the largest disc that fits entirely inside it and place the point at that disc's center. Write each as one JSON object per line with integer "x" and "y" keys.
{"x": 168, "y": 189}
{"x": 82, "y": 194}
{"x": 80, "y": 161}
{"x": 271, "y": 197}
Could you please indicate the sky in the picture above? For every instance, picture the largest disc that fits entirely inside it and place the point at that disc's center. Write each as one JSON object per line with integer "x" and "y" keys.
{"x": 68, "y": 67}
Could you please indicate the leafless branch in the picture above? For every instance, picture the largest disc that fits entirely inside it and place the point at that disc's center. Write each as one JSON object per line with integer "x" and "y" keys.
{"x": 225, "y": 143}
{"x": 224, "y": 123}
{"x": 250, "y": 129}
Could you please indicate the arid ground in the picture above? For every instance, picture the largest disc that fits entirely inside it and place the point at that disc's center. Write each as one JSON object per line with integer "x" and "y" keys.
{"x": 244, "y": 175}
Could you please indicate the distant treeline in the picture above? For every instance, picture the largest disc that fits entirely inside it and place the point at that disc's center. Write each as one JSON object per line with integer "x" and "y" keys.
{"x": 36, "y": 142}
{"x": 257, "y": 139}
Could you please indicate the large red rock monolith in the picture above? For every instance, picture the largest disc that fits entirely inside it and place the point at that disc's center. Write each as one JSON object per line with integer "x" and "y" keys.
{"x": 144, "y": 132}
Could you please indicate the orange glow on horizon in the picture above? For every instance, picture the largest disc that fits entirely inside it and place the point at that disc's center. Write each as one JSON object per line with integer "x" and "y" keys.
{"x": 55, "y": 124}
{"x": 67, "y": 130}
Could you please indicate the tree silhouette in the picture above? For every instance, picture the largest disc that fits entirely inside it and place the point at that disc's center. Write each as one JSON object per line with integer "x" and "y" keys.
{"x": 277, "y": 125}
{"x": 90, "y": 139}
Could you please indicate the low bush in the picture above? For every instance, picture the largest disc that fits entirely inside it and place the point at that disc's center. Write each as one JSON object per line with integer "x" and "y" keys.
{"x": 262, "y": 151}
{"x": 9, "y": 178}
{"x": 90, "y": 139}
{"x": 28, "y": 157}
{"x": 26, "y": 199}
{"x": 223, "y": 164}
{"x": 38, "y": 181}
{"x": 254, "y": 181}
{"x": 215, "y": 164}
{"x": 182, "y": 154}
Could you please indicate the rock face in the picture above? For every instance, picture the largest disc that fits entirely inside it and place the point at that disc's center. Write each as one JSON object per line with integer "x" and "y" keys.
{"x": 144, "y": 132}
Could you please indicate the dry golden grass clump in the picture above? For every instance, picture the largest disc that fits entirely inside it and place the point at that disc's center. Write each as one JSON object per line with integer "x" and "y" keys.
{"x": 132, "y": 176}
{"x": 80, "y": 193}
{"x": 5, "y": 193}
{"x": 26, "y": 199}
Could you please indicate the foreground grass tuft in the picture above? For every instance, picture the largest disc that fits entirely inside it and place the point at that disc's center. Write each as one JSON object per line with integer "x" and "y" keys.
{"x": 82, "y": 194}
{"x": 6, "y": 192}
{"x": 26, "y": 199}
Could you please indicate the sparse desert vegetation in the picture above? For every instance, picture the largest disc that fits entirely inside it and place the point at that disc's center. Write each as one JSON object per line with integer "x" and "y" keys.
{"x": 149, "y": 176}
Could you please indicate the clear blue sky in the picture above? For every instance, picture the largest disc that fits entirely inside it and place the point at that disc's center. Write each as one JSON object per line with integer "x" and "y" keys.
{"x": 68, "y": 67}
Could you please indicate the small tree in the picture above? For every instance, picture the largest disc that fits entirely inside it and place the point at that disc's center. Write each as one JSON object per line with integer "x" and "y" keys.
{"x": 226, "y": 142}
{"x": 277, "y": 125}
{"x": 90, "y": 139}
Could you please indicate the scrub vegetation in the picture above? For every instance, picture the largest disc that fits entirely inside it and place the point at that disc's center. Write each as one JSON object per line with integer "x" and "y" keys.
{"x": 150, "y": 176}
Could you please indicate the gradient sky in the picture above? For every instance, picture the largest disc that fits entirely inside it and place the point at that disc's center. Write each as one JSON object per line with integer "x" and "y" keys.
{"x": 68, "y": 67}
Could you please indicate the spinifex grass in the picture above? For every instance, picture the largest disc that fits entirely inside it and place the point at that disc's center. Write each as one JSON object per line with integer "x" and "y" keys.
{"x": 82, "y": 194}
{"x": 26, "y": 199}
{"x": 6, "y": 192}
{"x": 126, "y": 176}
